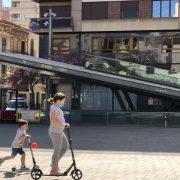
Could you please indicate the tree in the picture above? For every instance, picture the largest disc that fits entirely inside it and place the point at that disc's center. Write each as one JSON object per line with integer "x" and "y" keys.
{"x": 149, "y": 58}
{"x": 76, "y": 57}
{"x": 26, "y": 78}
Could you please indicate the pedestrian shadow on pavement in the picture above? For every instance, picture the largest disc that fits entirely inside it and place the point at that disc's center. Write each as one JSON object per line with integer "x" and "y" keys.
{"x": 8, "y": 174}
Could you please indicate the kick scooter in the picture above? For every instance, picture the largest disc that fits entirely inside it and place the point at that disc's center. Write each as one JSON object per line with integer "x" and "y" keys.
{"x": 75, "y": 173}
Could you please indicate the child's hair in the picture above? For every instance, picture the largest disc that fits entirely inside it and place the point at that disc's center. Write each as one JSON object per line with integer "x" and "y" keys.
{"x": 22, "y": 122}
{"x": 58, "y": 96}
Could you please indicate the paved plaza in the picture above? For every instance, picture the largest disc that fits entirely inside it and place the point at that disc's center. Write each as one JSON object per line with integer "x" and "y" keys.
{"x": 104, "y": 153}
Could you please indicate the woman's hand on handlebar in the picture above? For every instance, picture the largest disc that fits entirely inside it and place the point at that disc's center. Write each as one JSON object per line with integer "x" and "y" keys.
{"x": 67, "y": 125}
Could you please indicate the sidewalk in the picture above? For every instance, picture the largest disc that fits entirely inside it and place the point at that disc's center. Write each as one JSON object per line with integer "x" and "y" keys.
{"x": 106, "y": 153}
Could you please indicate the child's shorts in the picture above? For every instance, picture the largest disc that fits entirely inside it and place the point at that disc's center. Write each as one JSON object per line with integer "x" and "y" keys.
{"x": 16, "y": 151}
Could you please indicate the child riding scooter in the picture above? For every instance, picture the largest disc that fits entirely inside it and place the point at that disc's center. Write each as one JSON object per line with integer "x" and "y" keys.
{"x": 17, "y": 145}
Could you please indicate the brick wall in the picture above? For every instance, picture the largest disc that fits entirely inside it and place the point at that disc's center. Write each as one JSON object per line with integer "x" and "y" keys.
{"x": 145, "y": 8}
{"x": 114, "y": 9}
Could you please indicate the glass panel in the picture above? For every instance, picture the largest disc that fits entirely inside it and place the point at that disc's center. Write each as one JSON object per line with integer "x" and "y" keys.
{"x": 61, "y": 45}
{"x": 87, "y": 99}
{"x": 137, "y": 71}
{"x": 96, "y": 100}
{"x": 118, "y": 44}
{"x": 99, "y": 10}
{"x": 111, "y": 44}
{"x": 167, "y": 44}
{"x": 176, "y": 44}
{"x": 165, "y": 9}
{"x": 95, "y": 45}
{"x": 130, "y": 14}
{"x": 156, "y": 9}
{"x": 87, "y": 87}
{"x": 174, "y": 8}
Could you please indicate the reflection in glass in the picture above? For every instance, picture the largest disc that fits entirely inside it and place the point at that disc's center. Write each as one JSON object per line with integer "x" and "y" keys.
{"x": 174, "y": 8}
{"x": 156, "y": 9}
{"x": 165, "y": 9}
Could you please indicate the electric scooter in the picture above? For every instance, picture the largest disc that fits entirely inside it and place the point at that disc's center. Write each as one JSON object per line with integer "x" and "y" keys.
{"x": 37, "y": 173}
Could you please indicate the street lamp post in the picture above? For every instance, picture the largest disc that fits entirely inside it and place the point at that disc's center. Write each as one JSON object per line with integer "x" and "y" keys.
{"x": 50, "y": 34}
{"x": 50, "y": 15}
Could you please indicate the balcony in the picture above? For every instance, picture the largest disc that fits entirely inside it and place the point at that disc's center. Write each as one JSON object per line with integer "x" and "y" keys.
{"x": 42, "y": 1}
{"x": 40, "y": 25}
{"x": 130, "y": 24}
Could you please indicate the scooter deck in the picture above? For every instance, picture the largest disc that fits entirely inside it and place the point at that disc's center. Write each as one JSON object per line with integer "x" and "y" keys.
{"x": 55, "y": 175}
{"x": 21, "y": 171}
{"x": 18, "y": 170}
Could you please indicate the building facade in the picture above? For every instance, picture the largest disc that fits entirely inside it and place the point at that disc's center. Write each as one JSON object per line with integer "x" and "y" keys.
{"x": 142, "y": 31}
{"x": 22, "y": 11}
{"x": 13, "y": 38}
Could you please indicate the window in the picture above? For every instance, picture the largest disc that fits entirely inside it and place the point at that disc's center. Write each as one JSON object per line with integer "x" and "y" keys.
{"x": 15, "y": 16}
{"x": 32, "y": 47}
{"x": 61, "y": 11}
{"x": 95, "y": 10}
{"x": 61, "y": 45}
{"x": 4, "y": 44}
{"x": 15, "y": 4}
{"x": 174, "y": 8}
{"x": 154, "y": 102}
{"x": 3, "y": 69}
{"x": 171, "y": 44}
{"x": 165, "y": 8}
{"x": 130, "y": 9}
{"x": 108, "y": 45}
{"x": 114, "y": 45}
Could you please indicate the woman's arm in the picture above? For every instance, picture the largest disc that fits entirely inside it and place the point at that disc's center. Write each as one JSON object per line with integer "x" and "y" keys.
{"x": 54, "y": 120}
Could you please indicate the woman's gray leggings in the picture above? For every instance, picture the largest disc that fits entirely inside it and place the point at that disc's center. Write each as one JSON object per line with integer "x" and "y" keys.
{"x": 60, "y": 144}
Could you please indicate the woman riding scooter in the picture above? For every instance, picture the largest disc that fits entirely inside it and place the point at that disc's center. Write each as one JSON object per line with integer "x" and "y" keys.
{"x": 57, "y": 125}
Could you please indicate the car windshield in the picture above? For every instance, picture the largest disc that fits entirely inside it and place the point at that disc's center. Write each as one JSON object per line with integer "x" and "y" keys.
{"x": 20, "y": 104}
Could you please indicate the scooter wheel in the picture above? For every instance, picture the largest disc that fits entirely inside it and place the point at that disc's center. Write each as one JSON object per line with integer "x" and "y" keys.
{"x": 13, "y": 169}
{"x": 36, "y": 174}
{"x": 76, "y": 174}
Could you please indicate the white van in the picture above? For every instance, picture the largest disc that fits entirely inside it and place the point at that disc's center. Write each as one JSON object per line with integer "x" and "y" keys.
{"x": 21, "y": 104}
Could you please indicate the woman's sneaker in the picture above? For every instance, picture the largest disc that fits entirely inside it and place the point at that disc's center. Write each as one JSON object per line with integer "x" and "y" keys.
{"x": 24, "y": 168}
{"x": 1, "y": 161}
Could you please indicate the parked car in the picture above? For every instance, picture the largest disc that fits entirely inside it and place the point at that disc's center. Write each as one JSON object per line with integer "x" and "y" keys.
{"x": 21, "y": 104}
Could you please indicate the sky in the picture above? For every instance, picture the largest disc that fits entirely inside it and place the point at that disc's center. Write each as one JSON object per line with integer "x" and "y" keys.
{"x": 6, "y": 3}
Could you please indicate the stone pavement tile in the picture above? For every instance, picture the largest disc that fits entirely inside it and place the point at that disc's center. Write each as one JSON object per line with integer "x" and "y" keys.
{"x": 137, "y": 154}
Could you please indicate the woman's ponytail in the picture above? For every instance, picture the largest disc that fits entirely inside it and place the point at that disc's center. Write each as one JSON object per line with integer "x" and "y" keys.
{"x": 50, "y": 100}
{"x": 58, "y": 96}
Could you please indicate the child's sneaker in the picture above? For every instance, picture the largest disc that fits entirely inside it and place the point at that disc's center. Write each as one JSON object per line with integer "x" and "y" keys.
{"x": 24, "y": 168}
{"x": 1, "y": 161}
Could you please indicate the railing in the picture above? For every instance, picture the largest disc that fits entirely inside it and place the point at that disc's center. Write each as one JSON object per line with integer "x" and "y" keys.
{"x": 42, "y": 23}
{"x": 143, "y": 118}
{"x": 31, "y": 53}
{"x": 133, "y": 70}
{"x": 118, "y": 67}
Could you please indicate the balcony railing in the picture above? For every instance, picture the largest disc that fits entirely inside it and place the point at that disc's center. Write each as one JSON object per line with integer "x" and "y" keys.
{"x": 31, "y": 53}
{"x": 42, "y": 23}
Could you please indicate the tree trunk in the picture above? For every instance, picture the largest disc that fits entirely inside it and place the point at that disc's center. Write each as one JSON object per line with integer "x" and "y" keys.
{"x": 32, "y": 105}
